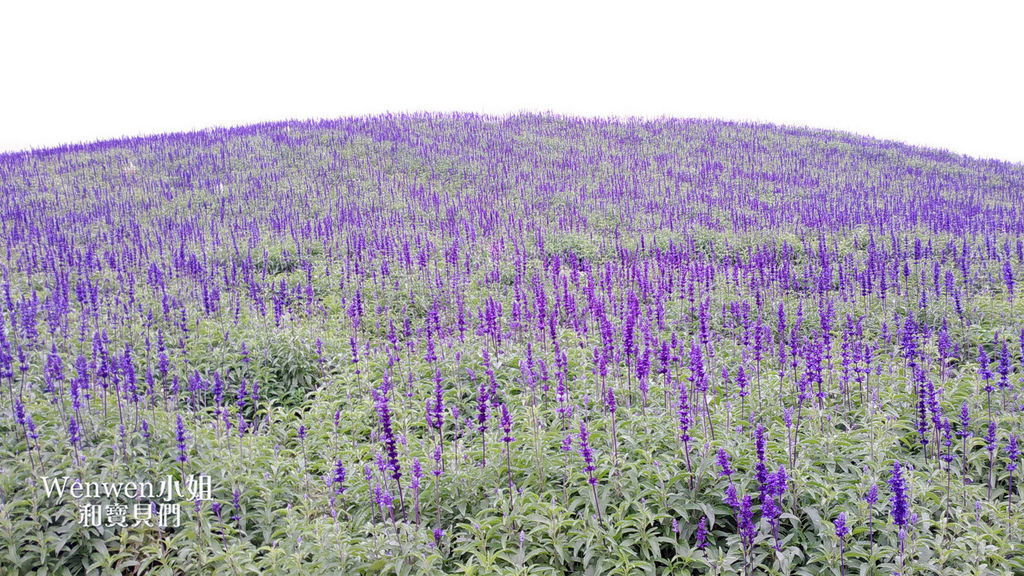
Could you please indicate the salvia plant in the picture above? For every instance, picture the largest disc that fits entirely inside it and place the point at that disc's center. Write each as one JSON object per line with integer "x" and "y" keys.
{"x": 687, "y": 346}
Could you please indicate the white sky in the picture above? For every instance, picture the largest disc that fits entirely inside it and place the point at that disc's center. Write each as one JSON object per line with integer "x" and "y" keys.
{"x": 948, "y": 76}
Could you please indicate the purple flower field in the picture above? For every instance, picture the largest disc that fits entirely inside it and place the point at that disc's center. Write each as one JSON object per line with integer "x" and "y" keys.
{"x": 427, "y": 344}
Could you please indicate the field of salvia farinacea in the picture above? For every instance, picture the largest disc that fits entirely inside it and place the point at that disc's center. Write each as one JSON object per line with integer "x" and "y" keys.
{"x": 425, "y": 344}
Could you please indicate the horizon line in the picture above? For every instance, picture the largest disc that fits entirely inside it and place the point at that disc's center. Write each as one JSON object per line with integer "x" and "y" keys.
{"x": 124, "y": 139}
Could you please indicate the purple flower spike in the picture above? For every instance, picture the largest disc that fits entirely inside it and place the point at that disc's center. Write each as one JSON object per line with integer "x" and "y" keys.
{"x": 587, "y": 453}
{"x": 872, "y": 496}
{"x": 506, "y": 424}
{"x": 181, "y": 438}
{"x": 900, "y": 513}
{"x": 338, "y": 478}
{"x": 841, "y": 528}
{"x": 723, "y": 462}
{"x": 702, "y": 533}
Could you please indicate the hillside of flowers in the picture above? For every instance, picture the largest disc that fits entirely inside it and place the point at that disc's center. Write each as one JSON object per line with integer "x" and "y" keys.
{"x": 428, "y": 344}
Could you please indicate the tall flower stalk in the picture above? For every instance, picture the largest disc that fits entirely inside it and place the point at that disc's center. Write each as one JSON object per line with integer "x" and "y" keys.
{"x": 841, "y": 531}
{"x": 871, "y": 498}
{"x": 182, "y": 438}
{"x": 611, "y": 407}
{"x": 1012, "y": 455}
{"x": 482, "y": 405}
{"x": 683, "y": 408}
{"x": 900, "y": 503}
{"x": 506, "y": 428}
{"x": 587, "y": 453}
{"x": 388, "y": 438}
{"x": 991, "y": 446}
